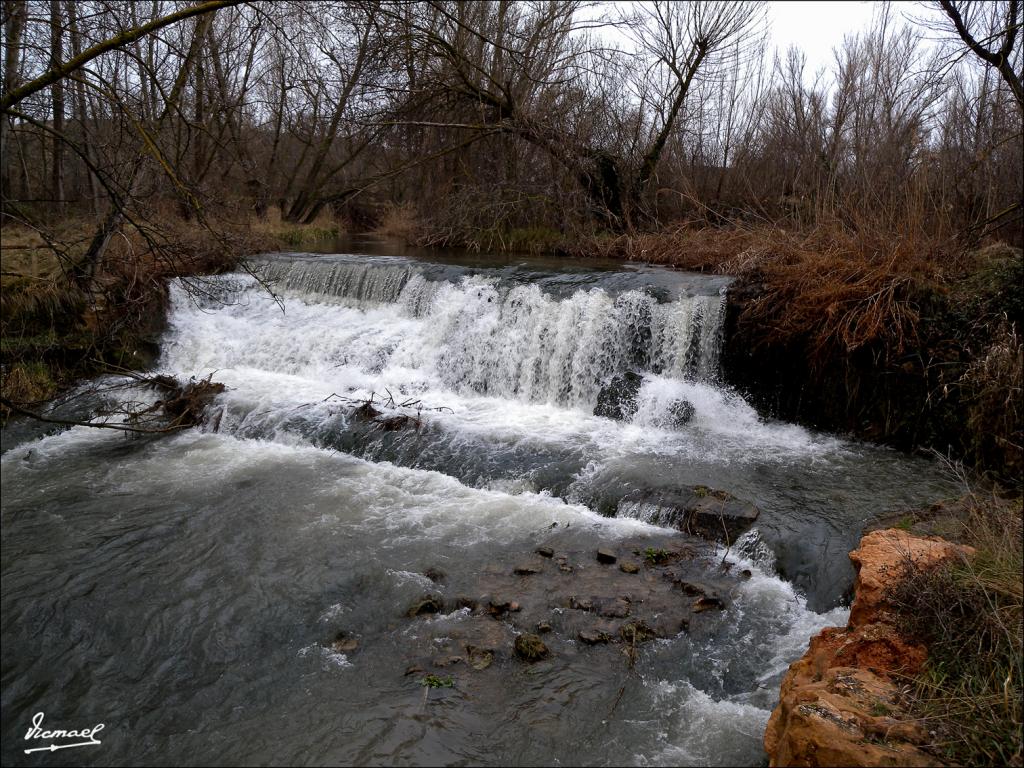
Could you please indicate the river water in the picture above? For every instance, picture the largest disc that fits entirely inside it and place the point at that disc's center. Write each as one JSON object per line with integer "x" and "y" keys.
{"x": 184, "y": 589}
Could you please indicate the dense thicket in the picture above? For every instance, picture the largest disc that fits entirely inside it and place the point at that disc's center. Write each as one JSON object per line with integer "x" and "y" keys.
{"x": 489, "y": 117}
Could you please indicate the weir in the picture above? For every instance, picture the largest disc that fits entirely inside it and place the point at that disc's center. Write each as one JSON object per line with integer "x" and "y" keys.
{"x": 504, "y": 366}
{"x": 539, "y": 336}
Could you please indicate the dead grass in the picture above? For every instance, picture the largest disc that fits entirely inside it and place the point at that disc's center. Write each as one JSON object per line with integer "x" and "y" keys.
{"x": 839, "y": 288}
{"x": 28, "y": 382}
{"x": 994, "y": 395}
{"x": 970, "y": 615}
{"x": 400, "y": 222}
{"x": 52, "y": 333}
{"x": 27, "y": 254}
{"x": 281, "y": 234}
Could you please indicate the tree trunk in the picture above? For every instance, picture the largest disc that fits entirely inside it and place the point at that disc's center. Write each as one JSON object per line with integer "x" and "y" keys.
{"x": 57, "y": 89}
{"x": 15, "y": 12}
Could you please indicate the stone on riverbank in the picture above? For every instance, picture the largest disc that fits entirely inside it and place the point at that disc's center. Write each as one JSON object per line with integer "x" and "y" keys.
{"x": 840, "y": 703}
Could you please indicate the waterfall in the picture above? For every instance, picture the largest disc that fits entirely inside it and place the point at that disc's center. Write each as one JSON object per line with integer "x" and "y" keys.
{"x": 484, "y": 333}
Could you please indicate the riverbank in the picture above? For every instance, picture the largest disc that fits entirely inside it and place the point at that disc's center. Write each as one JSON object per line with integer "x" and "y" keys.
{"x": 895, "y": 338}
{"x": 54, "y": 332}
{"x": 898, "y": 685}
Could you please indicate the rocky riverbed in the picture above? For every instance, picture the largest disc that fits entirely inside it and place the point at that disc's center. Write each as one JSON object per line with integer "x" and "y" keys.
{"x": 591, "y": 606}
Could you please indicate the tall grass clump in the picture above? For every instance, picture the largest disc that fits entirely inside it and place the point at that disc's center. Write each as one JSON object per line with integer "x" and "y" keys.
{"x": 969, "y": 613}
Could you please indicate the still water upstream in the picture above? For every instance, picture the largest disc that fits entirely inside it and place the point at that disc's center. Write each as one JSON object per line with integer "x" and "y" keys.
{"x": 184, "y": 589}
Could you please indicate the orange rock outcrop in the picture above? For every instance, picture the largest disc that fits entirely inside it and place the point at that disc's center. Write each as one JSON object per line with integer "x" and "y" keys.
{"x": 838, "y": 704}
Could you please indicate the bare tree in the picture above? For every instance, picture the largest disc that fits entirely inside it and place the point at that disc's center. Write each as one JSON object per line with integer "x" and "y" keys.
{"x": 992, "y": 39}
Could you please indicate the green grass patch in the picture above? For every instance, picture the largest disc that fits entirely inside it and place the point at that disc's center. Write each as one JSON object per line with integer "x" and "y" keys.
{"x": 655, "y": 556}
{"x": 303, "y": 235}
{"x": 433, "y": 681}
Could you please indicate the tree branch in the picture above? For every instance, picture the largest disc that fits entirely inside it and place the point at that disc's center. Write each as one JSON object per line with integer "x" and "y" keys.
{"x": 59, "y": 71}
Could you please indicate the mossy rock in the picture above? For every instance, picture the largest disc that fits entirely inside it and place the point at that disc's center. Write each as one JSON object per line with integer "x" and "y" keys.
{"x": 529, "y": 647}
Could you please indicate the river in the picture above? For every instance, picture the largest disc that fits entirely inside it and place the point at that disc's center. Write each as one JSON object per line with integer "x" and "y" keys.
{"x": 184, "y": 589}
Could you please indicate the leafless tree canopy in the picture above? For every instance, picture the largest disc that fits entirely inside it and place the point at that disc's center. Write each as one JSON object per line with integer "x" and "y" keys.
{"x": 489, "y": 117}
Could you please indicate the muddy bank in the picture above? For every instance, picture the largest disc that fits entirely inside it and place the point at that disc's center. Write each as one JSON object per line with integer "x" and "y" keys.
{"x": 843, "y": 701}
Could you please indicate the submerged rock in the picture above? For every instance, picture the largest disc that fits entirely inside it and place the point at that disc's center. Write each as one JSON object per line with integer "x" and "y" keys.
{"x": 498, "y": 608}
{"x": 706, "y": 604}
{"x": 616, "y": 608}
{"x": 426, "y": 604}
{"x": 526, "y": 570}
{"x": 629, "y": 567}
{"x": 529, "y": 647}
{"x": 592, "y": 637}
{"x": 617, "y": 399}
{"x": 344, "y": 643}
{"x": 479, "y": 658}
{"x": 637, "y": 632}
{"x": 447, "y": 661}
{"x": 462, "y": 601}
{"x": 436, "y": 575}
{"x": 606, "y": 556}
{"x": 700, "y": 511}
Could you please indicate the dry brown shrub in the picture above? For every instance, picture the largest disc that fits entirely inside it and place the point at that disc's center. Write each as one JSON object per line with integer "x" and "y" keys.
{"x": 994, "y": 388}
{"x": 970, "y": 614}
{"x": 839, "y": 288}
{"x": 400, "y": 222}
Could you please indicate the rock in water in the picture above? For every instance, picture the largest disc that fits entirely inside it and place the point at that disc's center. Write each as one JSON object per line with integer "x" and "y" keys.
{"x": 435, "y": 574}
{"x": 680, "y": 412}
{"x": 479, "y": 658}
{"x": 529, "y": 647}
{"x": 426, "y": 604}
{"x": 617, "y": 399}
{"x": 526, "y": 570}
{"x": 606, "y": 556}
{"x": 365, "y": 412}
{"x": 344, "y": 643}
{"x": 699, "y": 511}
{"x": 593, "y": 637}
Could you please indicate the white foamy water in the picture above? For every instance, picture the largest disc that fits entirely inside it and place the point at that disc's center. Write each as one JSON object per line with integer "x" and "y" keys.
{"x": 512, "y": 362}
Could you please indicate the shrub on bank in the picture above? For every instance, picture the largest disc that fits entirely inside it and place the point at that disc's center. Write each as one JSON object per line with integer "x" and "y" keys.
{"x": 53, "y": 332}
{"x": 969, "y": 614}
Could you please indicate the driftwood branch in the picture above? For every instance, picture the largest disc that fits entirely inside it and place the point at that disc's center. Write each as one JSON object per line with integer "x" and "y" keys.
{"x": 183, "y": 406}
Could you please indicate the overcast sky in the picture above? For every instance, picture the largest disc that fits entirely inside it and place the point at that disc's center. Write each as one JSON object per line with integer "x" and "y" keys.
{"x": 816, "y": 26}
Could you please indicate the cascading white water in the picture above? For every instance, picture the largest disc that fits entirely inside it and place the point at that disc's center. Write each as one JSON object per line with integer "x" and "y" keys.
{"x": 381, "y": 281}
{"x": 493, "y": 337}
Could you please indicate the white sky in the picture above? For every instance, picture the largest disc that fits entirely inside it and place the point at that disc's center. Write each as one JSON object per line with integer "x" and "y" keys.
{"x": 816, "y": 26}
